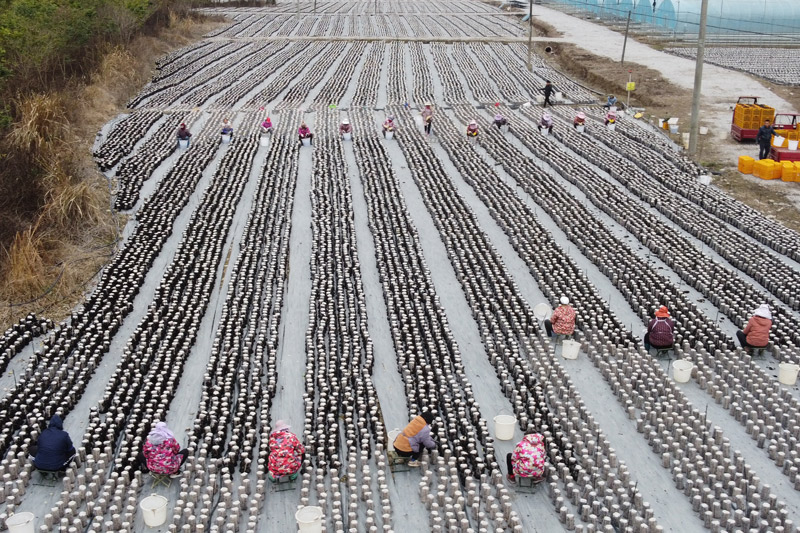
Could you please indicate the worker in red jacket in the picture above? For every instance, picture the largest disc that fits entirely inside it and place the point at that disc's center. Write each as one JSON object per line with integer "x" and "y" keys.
{"x": 562, "y": 321}
{"x": 660, "y": 330}
{"x": 286, "y": 453}
{"x": 756, "y": 333}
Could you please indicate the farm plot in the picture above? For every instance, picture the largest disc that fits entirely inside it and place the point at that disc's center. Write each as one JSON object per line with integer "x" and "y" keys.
{"x": 774, "y": 64}
{"x": 347, "y": 285}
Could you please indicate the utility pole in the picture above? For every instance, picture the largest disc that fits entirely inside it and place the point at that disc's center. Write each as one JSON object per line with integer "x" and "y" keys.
{"x": 530, "y": 33}
{"x": 625, "y": 42}
{"x": 698, "y": 80}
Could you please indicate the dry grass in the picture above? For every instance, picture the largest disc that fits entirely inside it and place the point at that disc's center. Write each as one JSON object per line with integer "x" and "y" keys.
{"x": 57, "y": 254}
{"x": 42, "y": 124}
{"x": 24, "y": 265}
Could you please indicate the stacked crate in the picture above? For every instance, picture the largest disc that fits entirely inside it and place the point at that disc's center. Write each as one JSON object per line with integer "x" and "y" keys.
{"x": 767, "y": 169}
{"x": 788, "y": 135}
{"x": 752, "y": 116}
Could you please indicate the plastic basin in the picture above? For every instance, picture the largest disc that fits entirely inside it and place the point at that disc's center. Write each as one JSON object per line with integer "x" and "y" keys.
{"x": 570, "y": 349}
{"x": 787, "y": 373}
{"x": 20, "y": 523}
{"x": 309, "y": 519}
{"x": 154, "y": 510}
{"x": 504, "y": 426}
{"x": 682, "y": 370}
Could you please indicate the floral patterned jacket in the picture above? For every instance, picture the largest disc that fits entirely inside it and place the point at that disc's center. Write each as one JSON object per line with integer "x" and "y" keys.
{"x": 162, "y": 458}
{"x": 285, "y": 453}
{"x": 529, "y": 456}
{"x": 563, "y": 320}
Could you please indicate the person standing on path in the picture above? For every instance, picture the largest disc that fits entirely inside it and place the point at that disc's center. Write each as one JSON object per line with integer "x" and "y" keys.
{"x": 548, "y": 90}
{"x": 427, "y": 117}
{"x": 764, "y": 138}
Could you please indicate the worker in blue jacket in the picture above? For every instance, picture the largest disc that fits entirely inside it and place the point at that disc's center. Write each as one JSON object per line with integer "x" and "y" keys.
{"x": 54, "y": 449}
{"x": 764, "y": 138}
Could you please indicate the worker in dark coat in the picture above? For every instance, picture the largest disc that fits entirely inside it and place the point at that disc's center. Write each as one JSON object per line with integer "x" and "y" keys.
{"x": 764, "y": 138}
{"x": 54, "y": 449}
{"x": 548, "y": 90}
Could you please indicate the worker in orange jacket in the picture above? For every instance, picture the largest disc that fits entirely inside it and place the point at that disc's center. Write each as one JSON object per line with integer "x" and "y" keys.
{"x": 415, "y": 436}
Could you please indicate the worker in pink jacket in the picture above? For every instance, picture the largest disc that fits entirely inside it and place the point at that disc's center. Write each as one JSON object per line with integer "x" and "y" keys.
{"x": 756, "y": 333}
{"x": 303, "y": 132}
{"x": 162, "y": 453}
{"x": 286, "y": 453}
{"x": 528, "y": 458}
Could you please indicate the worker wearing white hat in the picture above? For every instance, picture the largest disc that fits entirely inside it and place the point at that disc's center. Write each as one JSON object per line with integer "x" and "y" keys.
{"x": 562, "y": 321}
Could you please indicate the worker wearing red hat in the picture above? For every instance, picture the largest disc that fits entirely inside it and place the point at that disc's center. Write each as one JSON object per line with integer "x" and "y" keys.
{"x": 660, "y": 330}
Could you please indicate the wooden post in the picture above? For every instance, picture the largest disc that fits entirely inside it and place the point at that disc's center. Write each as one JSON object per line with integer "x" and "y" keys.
{"x": 694, "y": 128}
{"x": 625, "y": 42}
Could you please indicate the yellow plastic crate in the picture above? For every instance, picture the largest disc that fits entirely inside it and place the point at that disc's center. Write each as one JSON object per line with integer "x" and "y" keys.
{"x": 777, "y": 170}
{"x": 763, "y": 169}
{"x": 788, "y": 171}
{"x": 746, "y": 164}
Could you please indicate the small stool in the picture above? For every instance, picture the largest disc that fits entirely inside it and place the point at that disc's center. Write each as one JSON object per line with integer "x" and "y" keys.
{"x": 398, "y": 463}
{"x": 50, "y": 477}
{"x": 758, "y": 352}
{"x": 663, "y": 353}
{"x": 160, "y": 479}
{"x": 528, "y": 484}
{"x": 284, "y": 483}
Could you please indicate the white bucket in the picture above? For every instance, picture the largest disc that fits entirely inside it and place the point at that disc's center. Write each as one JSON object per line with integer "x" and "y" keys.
{"x": 661, "y": 123}
{"x": 504, "y": 426}
{"x": 309, "y": 519}
{"x": 558, "y": 96}
{"x": 703, "y": 130}
{"x": 787, "y": 373}
{"x": 20, "y": 523}
{"x": 389, "y": 134}
{"x": 504, "y": 128}
{"x": 306, "y": 141}
{"x": 570, "y": 349}
{"x": 545, "y": 131}
{"x": 393, "y": 434}
{"x": 673, "y": 128}
{"x": 611, "y": 126}
{"x": 777, "y": 140}
{"x": 581, "y": 128}
{"x": 347, "y": 136}
{"x": 264, "y": 140}
{"x": 154, "y": 510}
{"x": 183, "y": 143}
{"x": 682, "y": 370}
{"x": 793, "y": 145}
{"x": 226, "y": 138}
